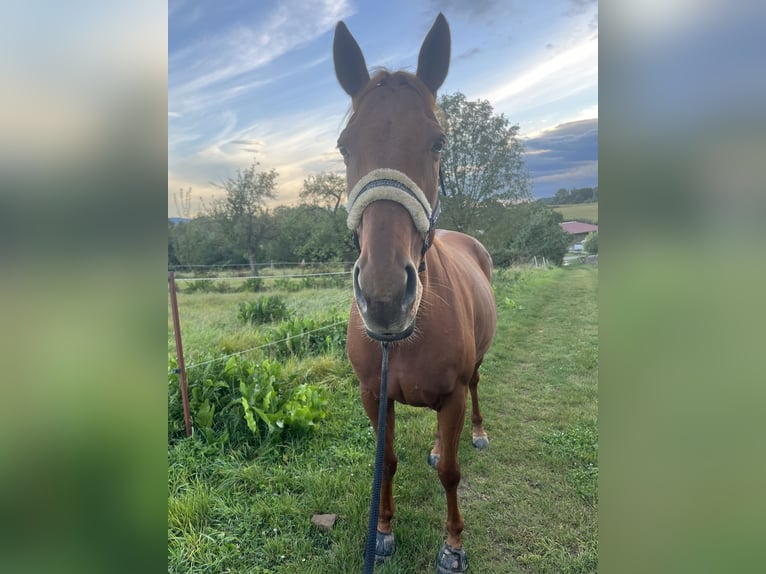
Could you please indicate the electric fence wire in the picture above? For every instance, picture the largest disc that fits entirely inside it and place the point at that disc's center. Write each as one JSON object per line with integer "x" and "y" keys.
{"x": 222, "y": 357}
{"x": 263, "y": 276}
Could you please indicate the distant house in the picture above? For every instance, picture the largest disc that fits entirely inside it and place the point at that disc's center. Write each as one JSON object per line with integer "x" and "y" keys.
{"x": 578, "y": 231}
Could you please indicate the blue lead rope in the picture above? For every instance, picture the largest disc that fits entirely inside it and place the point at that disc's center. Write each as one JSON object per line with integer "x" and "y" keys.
{"x": 372, "y": 526}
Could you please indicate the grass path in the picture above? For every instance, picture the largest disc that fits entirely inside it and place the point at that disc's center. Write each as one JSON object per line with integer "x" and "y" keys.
{"x": 529, "y": 500}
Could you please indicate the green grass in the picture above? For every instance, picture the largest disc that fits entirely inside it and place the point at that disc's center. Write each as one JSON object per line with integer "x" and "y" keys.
{"x": 529, "y": 500}
{"x": 585, "y": 212}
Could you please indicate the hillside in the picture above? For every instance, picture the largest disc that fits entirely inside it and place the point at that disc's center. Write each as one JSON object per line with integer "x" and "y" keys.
{"x": 586, "y": 212}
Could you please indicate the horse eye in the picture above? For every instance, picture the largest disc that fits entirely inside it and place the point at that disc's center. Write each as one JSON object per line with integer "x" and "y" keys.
{"x": 438, "y": 145}
{"x": 343, "y": 151}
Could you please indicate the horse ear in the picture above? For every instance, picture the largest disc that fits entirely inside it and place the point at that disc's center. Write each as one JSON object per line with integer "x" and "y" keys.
{"x": 433, "y": 61}
{"x": 350, "y": 68}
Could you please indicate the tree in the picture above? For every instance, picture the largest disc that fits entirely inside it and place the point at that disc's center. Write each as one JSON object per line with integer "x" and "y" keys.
{"x": 172, "y": 257}
{"x": 582, "y": 195}
{"x": 561, "y": 197}
{"x": 312, "y": 233}
{"x": 324, "y": 190}
{"x": 591, "y": 242}
{"x": 329, "y": 238}
{"x": 243, "y": 213}
{"x": 519, "y": 232}
{"x": 542, "y": 236}
{"x": 204, "y": 241}
{"x": 482, "y": 160}
{"x": 178, "y": 234}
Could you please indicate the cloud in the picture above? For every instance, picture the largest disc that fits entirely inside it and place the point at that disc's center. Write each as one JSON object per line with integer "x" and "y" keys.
{"x": 476, "y": 9}
{"x": 192, "y": 101}
{"x": 564, "y": 156}
{"x": 275, "y": 143}
{"x": 578, "y": 7}
{"x": 467, "y": 54}
{"x": 215, "y": 65}
{"x": 179, "y": 11}
{"x": 568, "y": 72}
{"x": 211, "y": 135}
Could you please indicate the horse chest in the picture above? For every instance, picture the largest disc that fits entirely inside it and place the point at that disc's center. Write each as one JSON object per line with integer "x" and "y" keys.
{"x": 422, "y": 383}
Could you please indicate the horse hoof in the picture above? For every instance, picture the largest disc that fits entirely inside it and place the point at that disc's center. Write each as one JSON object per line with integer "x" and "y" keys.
{"x": 480, "y": 441}
{"x": 451, "y": 560}
{"x": 385, "y": 545}
{"x": 433, "y": 459}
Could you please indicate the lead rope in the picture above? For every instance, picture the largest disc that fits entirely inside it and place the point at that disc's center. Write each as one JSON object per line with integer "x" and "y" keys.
{"x": 372, "y": 526}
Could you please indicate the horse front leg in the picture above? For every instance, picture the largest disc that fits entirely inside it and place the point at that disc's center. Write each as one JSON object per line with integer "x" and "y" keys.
{"x": 452, "y": 558}
{"x": 385, "y": 542}
{"x": 436, "y": 451}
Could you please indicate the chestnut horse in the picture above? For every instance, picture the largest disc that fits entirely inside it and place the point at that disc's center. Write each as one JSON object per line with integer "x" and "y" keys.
{"x": 425, "y": 292}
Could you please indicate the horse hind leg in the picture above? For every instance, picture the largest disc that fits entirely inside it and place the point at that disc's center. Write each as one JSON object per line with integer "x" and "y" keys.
{"x": 479, "y": 436}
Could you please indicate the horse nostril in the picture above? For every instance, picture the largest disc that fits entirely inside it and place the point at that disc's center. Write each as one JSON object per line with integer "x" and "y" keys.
{"x": 412, "y": 287}
{"x": 358, "y": 295}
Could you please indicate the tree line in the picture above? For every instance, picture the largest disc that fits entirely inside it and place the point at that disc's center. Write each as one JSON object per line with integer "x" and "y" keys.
{"x": 487, "y": 195}
{"x": 574, "y": 195}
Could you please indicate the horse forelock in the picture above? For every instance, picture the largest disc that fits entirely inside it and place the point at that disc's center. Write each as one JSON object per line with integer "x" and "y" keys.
{"x": 400, "y": 78}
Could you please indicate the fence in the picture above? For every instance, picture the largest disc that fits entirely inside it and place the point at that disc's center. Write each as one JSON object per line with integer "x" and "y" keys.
{"x": 287, "y": 275}
{"x": 582, "y": 260}
{"x": 182, "y": 369}
{"x": 261, "y": 269}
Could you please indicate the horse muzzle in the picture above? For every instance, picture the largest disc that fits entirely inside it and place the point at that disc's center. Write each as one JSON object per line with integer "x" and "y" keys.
{"x": 389, "y": 312}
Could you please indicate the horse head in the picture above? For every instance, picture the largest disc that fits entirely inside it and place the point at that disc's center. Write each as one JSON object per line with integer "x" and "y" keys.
{"x": 391, "y": 146}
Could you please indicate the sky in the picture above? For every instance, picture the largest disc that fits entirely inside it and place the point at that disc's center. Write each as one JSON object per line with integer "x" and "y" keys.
{"x": 254, "y": 81}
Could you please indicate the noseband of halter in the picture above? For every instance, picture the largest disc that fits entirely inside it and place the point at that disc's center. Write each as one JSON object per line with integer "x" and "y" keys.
{"x": 392, "y": 185}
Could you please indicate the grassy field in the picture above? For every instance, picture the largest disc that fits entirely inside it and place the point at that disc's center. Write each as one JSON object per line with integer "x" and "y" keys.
{"x": 209, "y": 320}
{"x": 585, "y": 212}
{"x": 529, "y": 500}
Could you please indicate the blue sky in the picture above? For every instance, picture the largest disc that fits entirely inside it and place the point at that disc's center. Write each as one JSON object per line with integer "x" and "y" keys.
{"x": 255, "y": 79}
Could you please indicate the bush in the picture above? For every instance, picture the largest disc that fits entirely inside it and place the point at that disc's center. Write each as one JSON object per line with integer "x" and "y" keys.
{"x": 213, "y": 403}
{"x": 268, "y": 402}
{"x": 293, "y": 284}
{"x": 325, "y": 281}
{"x": 239, "y": 401}
{"x": 265, "y": 310}
{"x": 591, "y": 243}
{"x": 202, "y": 286}
{"x": 197, "y": 286}
{"x": 303, "y": 336}
{"x": 253, "y": 284}
{"x": 288, "y": 285}
{"x": 518, "y": 233}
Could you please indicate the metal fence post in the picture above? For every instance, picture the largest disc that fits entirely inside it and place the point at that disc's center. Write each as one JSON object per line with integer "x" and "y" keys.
{"x": 179, "y": 352}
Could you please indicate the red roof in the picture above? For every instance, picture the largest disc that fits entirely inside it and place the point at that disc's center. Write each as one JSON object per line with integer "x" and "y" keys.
{"x": 577, "y": 227}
